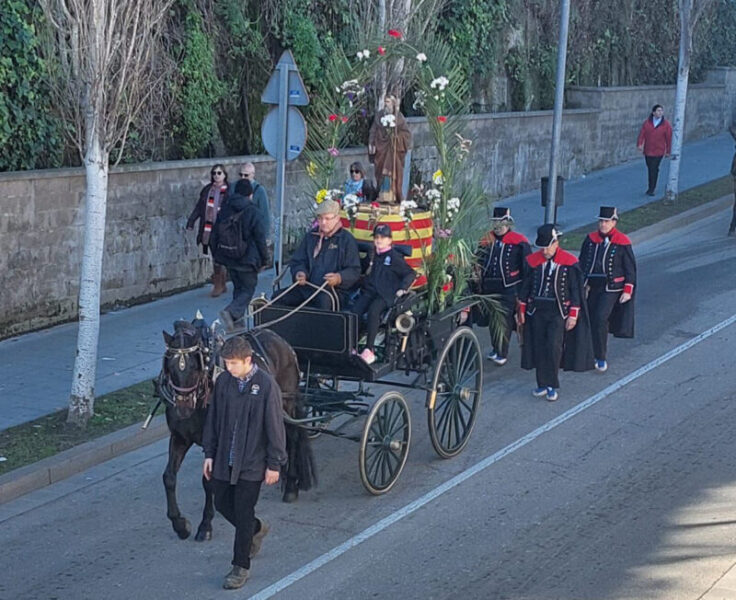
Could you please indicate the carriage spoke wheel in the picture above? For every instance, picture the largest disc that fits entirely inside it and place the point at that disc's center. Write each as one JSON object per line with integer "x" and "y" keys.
{"x": 454, "y": 399}
{"x": 384, "y": 444}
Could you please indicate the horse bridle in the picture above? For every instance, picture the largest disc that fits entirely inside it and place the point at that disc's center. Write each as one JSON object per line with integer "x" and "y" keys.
{"x": 202, "y": 383}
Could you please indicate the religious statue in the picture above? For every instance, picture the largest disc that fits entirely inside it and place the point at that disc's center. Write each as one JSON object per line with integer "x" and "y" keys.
{"x": 388, "y": 142}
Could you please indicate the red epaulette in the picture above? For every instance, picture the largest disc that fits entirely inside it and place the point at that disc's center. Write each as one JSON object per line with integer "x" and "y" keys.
{"x": 620, "y": 238}
{"x": 564, "y": 258}
{"x": 535, "y": 259}
{"x": 512, "y": 237}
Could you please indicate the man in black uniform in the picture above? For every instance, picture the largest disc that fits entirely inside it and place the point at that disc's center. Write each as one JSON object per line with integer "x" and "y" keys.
{"x": 329, "y": 254}
{"x": 551, "y": 307}
{"x": 609, "y": 266}
{"x": 501, "y": 260}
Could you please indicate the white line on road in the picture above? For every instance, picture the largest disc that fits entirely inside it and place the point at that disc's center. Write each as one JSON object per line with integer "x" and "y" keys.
{"x": 396, "y": 516}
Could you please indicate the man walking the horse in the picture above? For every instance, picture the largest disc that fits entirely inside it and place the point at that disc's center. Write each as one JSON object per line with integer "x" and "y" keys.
{"x": 244, "y": 445}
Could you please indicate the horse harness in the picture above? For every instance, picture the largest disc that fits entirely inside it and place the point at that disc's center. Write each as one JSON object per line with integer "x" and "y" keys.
{"x": 172, "y": 393}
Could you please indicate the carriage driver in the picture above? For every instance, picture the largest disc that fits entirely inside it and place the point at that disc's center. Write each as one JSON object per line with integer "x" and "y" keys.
{"x": 244, "y": 445}
{"x": 328, "y": 253}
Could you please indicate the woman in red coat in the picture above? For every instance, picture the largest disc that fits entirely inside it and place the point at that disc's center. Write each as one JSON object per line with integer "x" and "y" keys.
{"x": 655, "y": 142}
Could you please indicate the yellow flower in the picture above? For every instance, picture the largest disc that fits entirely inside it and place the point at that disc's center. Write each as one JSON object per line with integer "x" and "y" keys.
{"x": 438, "y": 177}
{"x": 311, "y": 169}
{"x": 321, "y": 195}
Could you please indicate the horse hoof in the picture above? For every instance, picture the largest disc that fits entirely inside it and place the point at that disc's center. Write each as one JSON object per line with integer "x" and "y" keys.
{"x": 203, "y": 535}
{"x": 290, "y": 496}
{"x": 184, "y": 531}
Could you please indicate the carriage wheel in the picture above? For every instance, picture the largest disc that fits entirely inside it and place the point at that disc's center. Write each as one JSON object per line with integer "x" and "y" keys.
{"x": 384, "y": 444}
{"x": 453, "y": 401}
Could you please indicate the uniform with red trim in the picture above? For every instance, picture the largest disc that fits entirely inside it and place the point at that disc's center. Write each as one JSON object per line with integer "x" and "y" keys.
{"x": 551, "y": 308}
{"x": 501, "y": 265}
{"x": 608, "y": 263}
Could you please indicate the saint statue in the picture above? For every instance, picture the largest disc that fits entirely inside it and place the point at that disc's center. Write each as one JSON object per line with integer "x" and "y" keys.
{"x": 388, "y": 142}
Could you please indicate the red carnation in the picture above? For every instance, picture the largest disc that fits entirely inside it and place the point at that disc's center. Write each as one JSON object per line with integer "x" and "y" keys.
{"x": 332, "y": 118}
{"x": 394, "y": 33}
{"x": 442, "y": 119}
{"x": 344, "y": 119}
{"x": 381, "y": 51}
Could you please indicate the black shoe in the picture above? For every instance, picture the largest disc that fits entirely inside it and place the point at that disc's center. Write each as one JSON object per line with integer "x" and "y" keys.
{"x": 732, "y": 233}
{"x": 650, "y": 193}
{"x": 236, "y": 578}
{"x": 255, "y": 545}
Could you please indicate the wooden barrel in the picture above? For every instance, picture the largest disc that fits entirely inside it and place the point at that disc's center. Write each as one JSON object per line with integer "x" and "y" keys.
{"x": 418, "y": 234}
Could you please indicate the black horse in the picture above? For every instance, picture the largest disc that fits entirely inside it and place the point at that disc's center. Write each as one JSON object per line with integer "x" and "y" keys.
{"x": 185, "y": 383}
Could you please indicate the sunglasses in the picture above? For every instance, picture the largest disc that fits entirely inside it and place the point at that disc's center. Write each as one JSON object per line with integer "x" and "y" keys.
{"x": 215, "y": 172}
{"x": 247, "y": 174}
{"x": 354, "y": 171}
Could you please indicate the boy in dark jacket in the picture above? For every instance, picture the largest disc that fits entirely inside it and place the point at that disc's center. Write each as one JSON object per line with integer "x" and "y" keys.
{"x": 244, "y": 445}
{"x": 387, "y": 277}
{"x": 243, "y": 270}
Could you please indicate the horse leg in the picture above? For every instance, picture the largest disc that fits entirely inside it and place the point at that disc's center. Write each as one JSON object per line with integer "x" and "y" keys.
{"x": 177, "y": 450}
{"x": 291, "y": 489}
{"x": 204, "y": 531}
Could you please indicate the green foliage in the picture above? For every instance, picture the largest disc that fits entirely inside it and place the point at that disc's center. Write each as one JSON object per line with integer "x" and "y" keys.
{"x": 29, "y": 133}
{"x": 200, "y": 90}
{"x": 300, "y": 35}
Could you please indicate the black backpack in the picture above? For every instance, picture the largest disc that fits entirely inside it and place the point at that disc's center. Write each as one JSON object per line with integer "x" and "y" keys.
{"x": 230, "y": 242}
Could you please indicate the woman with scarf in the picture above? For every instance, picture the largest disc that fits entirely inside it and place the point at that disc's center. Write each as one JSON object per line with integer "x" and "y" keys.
{"x": 210, "y": 200}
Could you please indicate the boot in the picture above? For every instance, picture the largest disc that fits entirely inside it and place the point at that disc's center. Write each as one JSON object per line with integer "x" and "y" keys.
{"x": 219, "y": 278}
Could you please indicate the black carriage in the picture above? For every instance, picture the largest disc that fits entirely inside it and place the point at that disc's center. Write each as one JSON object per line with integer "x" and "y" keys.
{"x": 437, "y": 352}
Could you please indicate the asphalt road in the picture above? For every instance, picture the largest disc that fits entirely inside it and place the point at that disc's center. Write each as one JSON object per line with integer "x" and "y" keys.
{"x": 624, "y": 488}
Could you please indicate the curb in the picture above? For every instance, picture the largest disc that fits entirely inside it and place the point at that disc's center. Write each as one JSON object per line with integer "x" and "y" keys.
{"x": 50, "y": 470}
{"x": 702, "y": 211}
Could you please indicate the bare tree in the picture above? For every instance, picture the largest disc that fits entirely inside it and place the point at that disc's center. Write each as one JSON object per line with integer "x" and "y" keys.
{"x": 690, "y": 12}
{"x": 105, "y": 70}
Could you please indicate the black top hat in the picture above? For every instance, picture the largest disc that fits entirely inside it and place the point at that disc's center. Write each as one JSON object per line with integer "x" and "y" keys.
{"x": 547, "y": 234}
{"x": 382, "y": 229}
{"x": 608, "y": 212}
{"x": 501, "y": 213}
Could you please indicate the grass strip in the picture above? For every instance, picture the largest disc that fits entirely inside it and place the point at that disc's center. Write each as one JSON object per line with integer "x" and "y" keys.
{"x": 654, "y": 212}
{"x": 30, "y": 442}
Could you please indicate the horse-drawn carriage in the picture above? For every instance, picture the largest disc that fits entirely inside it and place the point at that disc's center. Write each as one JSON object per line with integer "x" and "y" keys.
{"x": 435, "y": 353}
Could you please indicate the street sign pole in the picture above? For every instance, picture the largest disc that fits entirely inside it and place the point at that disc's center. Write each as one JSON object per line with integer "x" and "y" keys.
{"x": 284, "y": 133}
{"x": 281, "y": 165}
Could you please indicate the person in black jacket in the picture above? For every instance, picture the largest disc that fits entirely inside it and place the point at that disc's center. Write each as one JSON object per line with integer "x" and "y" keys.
{"x": 243, "y": 270}
{"x": 244, "y": 445}
{"x": 608, "y": 264}
{"x": 387, "y": 277}
{"x": 328, "y": 253}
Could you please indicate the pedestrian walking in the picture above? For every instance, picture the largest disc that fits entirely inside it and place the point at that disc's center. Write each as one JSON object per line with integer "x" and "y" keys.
{"x": 501, "y": 264}
{"x": 655, "y": 142}
{"x": 244, "y": 444}
{"x": 609, "y": 266}
{"x": 553, "y": 314}
{"x": 239, "y": 244}
{"x": 211, "y": 198}
{"x": 260, "y": 197}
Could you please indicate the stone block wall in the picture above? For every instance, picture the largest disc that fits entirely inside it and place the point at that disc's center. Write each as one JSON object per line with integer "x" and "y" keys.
{"x": 149, "y": 253}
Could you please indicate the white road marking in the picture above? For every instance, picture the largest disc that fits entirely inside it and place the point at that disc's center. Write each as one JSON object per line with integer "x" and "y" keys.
{"x": 405, "y": 511}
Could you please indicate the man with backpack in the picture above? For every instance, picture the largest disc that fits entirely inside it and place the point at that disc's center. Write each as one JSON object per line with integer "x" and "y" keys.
{"x": 239, "y": 243}
{"x": 260, "y": 198}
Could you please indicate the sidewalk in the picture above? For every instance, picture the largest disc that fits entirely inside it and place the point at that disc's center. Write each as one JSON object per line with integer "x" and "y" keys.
{"x": 36, "y": 368}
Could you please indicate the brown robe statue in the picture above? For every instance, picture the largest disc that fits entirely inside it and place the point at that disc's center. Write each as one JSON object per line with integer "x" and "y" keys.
{"x": 388, "y": 147}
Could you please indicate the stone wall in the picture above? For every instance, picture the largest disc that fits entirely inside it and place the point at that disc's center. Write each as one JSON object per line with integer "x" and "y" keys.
{"x": 148, "y": 252}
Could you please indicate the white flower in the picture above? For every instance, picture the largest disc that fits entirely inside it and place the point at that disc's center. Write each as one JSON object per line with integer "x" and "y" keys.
{"x": 421, "y": 57}
{"x": 364, "y": 55}
{"x": 349, "y": 201}
{"x": 453, "y": 204}
{"x": 419, "y": 100}
{"x": 388, "y": 120}
{"x": 433, "y": 195}
{"x": 439, "y": 83}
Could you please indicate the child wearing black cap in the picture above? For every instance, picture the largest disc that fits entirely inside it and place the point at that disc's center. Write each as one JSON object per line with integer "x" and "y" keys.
{"x": 387, "y": 277}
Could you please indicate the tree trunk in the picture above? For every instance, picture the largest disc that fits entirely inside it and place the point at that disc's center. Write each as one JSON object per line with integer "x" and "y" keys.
{"x": 678, "y": 120}
{"x": 81, "y": 401}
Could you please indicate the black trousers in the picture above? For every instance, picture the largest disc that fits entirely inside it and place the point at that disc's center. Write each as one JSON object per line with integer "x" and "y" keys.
{"x": 732, "y": 226}
{"x": 600, "y": 305}
{"x": 244, "y": 286}
{"x": 547, "y": 334}
{"x": 374, "y": 305}
{"x": 653, "y": 171}
{"x": 300, "y": 293}
{"x": 237, "y": 503}
{"x": 507, "y": 299}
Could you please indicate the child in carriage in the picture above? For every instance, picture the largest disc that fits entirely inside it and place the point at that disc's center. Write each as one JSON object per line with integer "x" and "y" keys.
{"x": 387, "y": 277}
